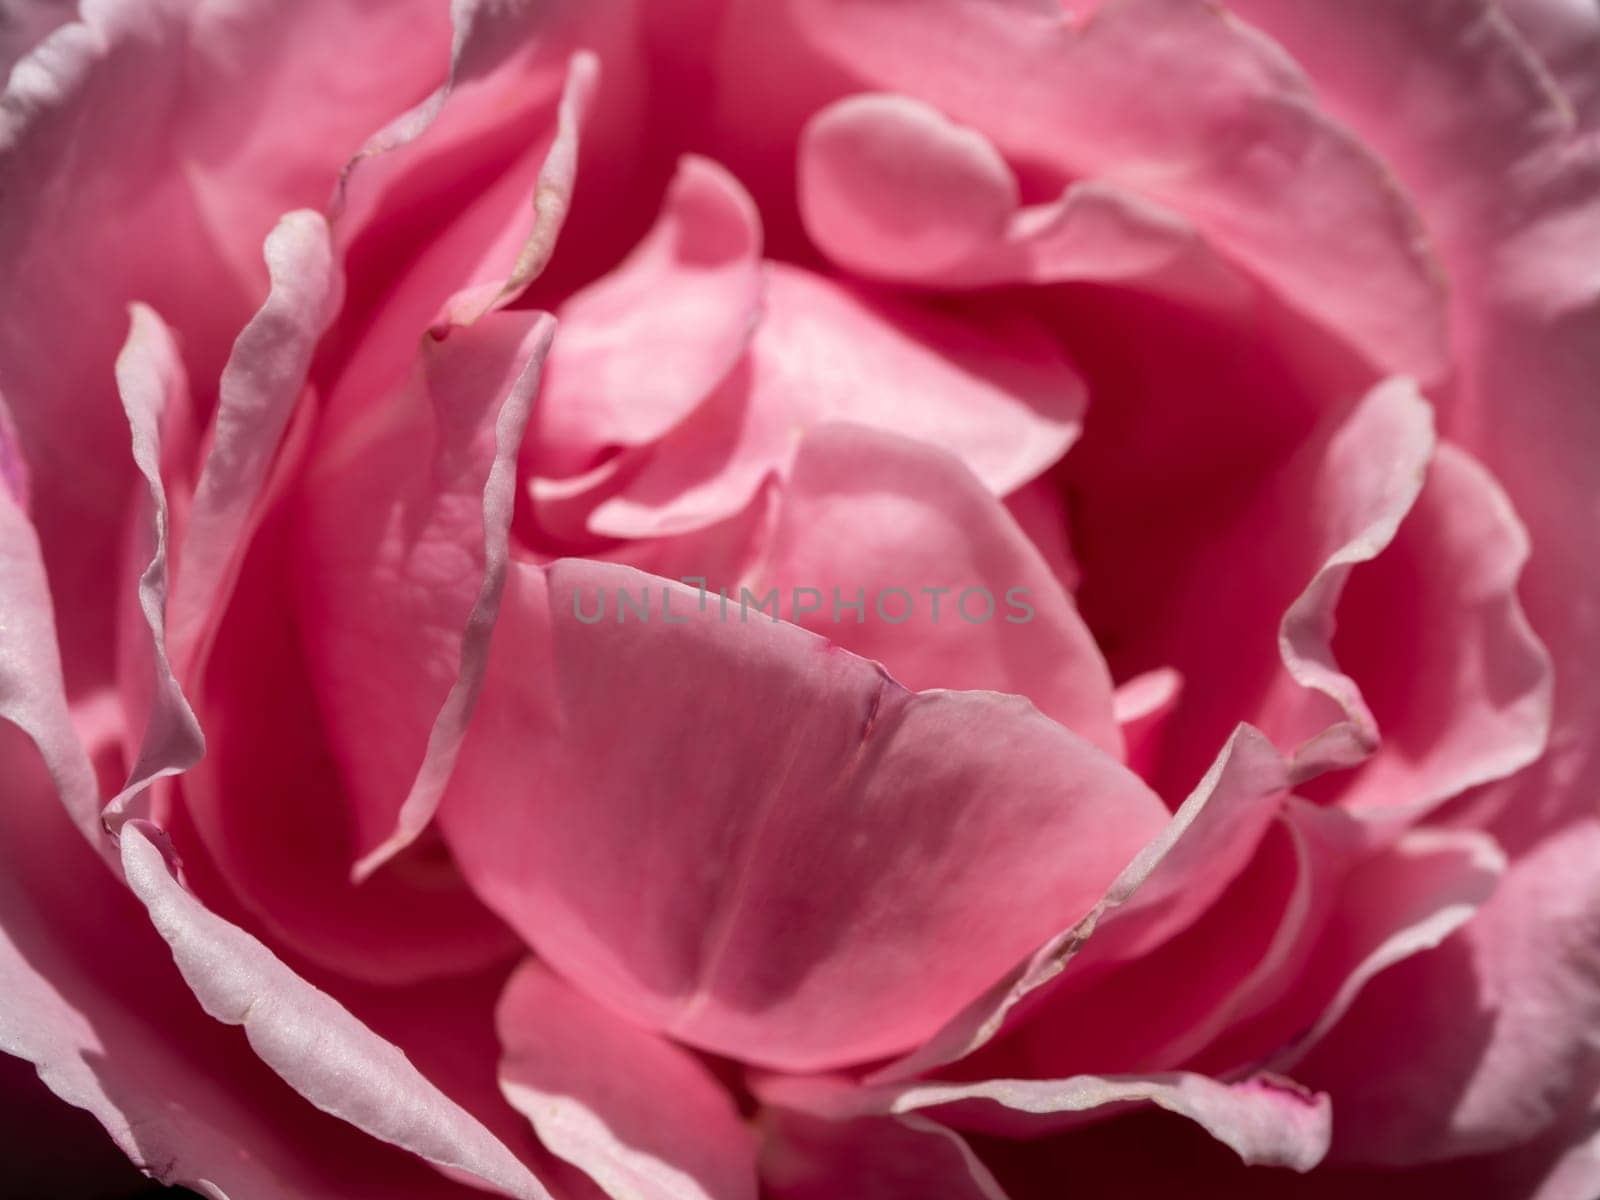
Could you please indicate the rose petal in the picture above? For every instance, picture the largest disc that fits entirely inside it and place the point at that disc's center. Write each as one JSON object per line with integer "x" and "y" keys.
{"x": 308, "y": 1038}
{"x": 1433, "y": 632}
{"x": 259, "y": 388}
{"x": 802, "y": 927}
{"x": 147, "y": 150}
{"x": 413, "y": 505}
{"x": 639, "y": 1114}
{"x": 991, "y": 387}
{"x": 641, "y": 348}
{"x": 1232, "y": 141}
{"x": 891, "y": 189}
{"x": 1171, "y": 882}
{"x": 155, "y": 394}
{"x": 864, "y": 511}
{"x": 1266, "y": 1120}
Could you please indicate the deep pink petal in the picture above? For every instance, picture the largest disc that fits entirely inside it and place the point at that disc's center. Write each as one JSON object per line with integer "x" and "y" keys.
{"x": 636, "y": 1112}
{"x": 865, "y": 511}
{"x": 806, "y": 1157}
{"x": 759, "y": 888}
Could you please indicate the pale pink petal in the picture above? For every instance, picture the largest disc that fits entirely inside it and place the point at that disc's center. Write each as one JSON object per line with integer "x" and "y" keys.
{"x": 891, "y": 189}
{"x": 1267, "y": 1120}
{"x": 1166, "y": 887}
{"x": 155, "y": 395}
{"x": 865, "y": 512}
{"x": 94, "y": 1001}
{"x": 1232, "y": 140}
{"x": 259, "y": 389}
{"x": 760, "y": 888}
{"x": 640, "y": 1115}
{"x": 640, "y": 349}
{"x": 308, "y": 1038}
{"x": 806, "y": 1157}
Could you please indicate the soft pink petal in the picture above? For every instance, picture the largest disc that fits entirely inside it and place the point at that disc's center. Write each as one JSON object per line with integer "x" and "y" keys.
{"x": 1504, "y": 175}
{"x": 1366, "y": 477}
{"x": 641, "y": 348}
{"x": 1171, "y": 882}
{"x": 754, "y": 884}
{"x": 1394, "y": 904}
{"x": 308, "y": 1038}
{"x": 891, "y": 189}
{"x": 865, "y": 511}
{"x": 990, "y": 386}
{"x": 146, "y": 152}
{"x": 93, "y": 1000}
{"x": 267, "y": 812}
{"x": 1515, "y": 988}
{"x": 1266, "y": 1120}
{"x": 402, "y": 553}
{"x": 156, "y": 396}
{"x": 640, "y": 1115}
{"x": 1434, "y": 633}
{"x": 259, "y": 389}
{"x": 807, "y": 1157}
{"x": 1232, "y": 140}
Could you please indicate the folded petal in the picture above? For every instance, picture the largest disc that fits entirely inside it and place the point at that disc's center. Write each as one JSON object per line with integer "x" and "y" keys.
{"x": 258, "y": 392}
{"x": 403, "y": 537}
{"x": 891, "y": 189}
{"x": 952, "y": 593}
{"x": 758, "y": 886}
{"x": 1171, "y": 882}
{"x": 147, "y": 150}
{"x": 94, "y": 1002}
{"x": 1233, "y": 141}
{"x": 640, "y": 349}
{"x": 990, "y": 386}
{"x": 155, "y": 395}
{"x": 308, "y": 1038}
{"x": 1434, "y": 634}
{"x": 1267, "y": 1120}
{"x": 640, "y": 1115}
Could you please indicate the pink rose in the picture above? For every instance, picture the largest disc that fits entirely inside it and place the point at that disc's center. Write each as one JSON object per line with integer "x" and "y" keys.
{"x": 804, "y": 599}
